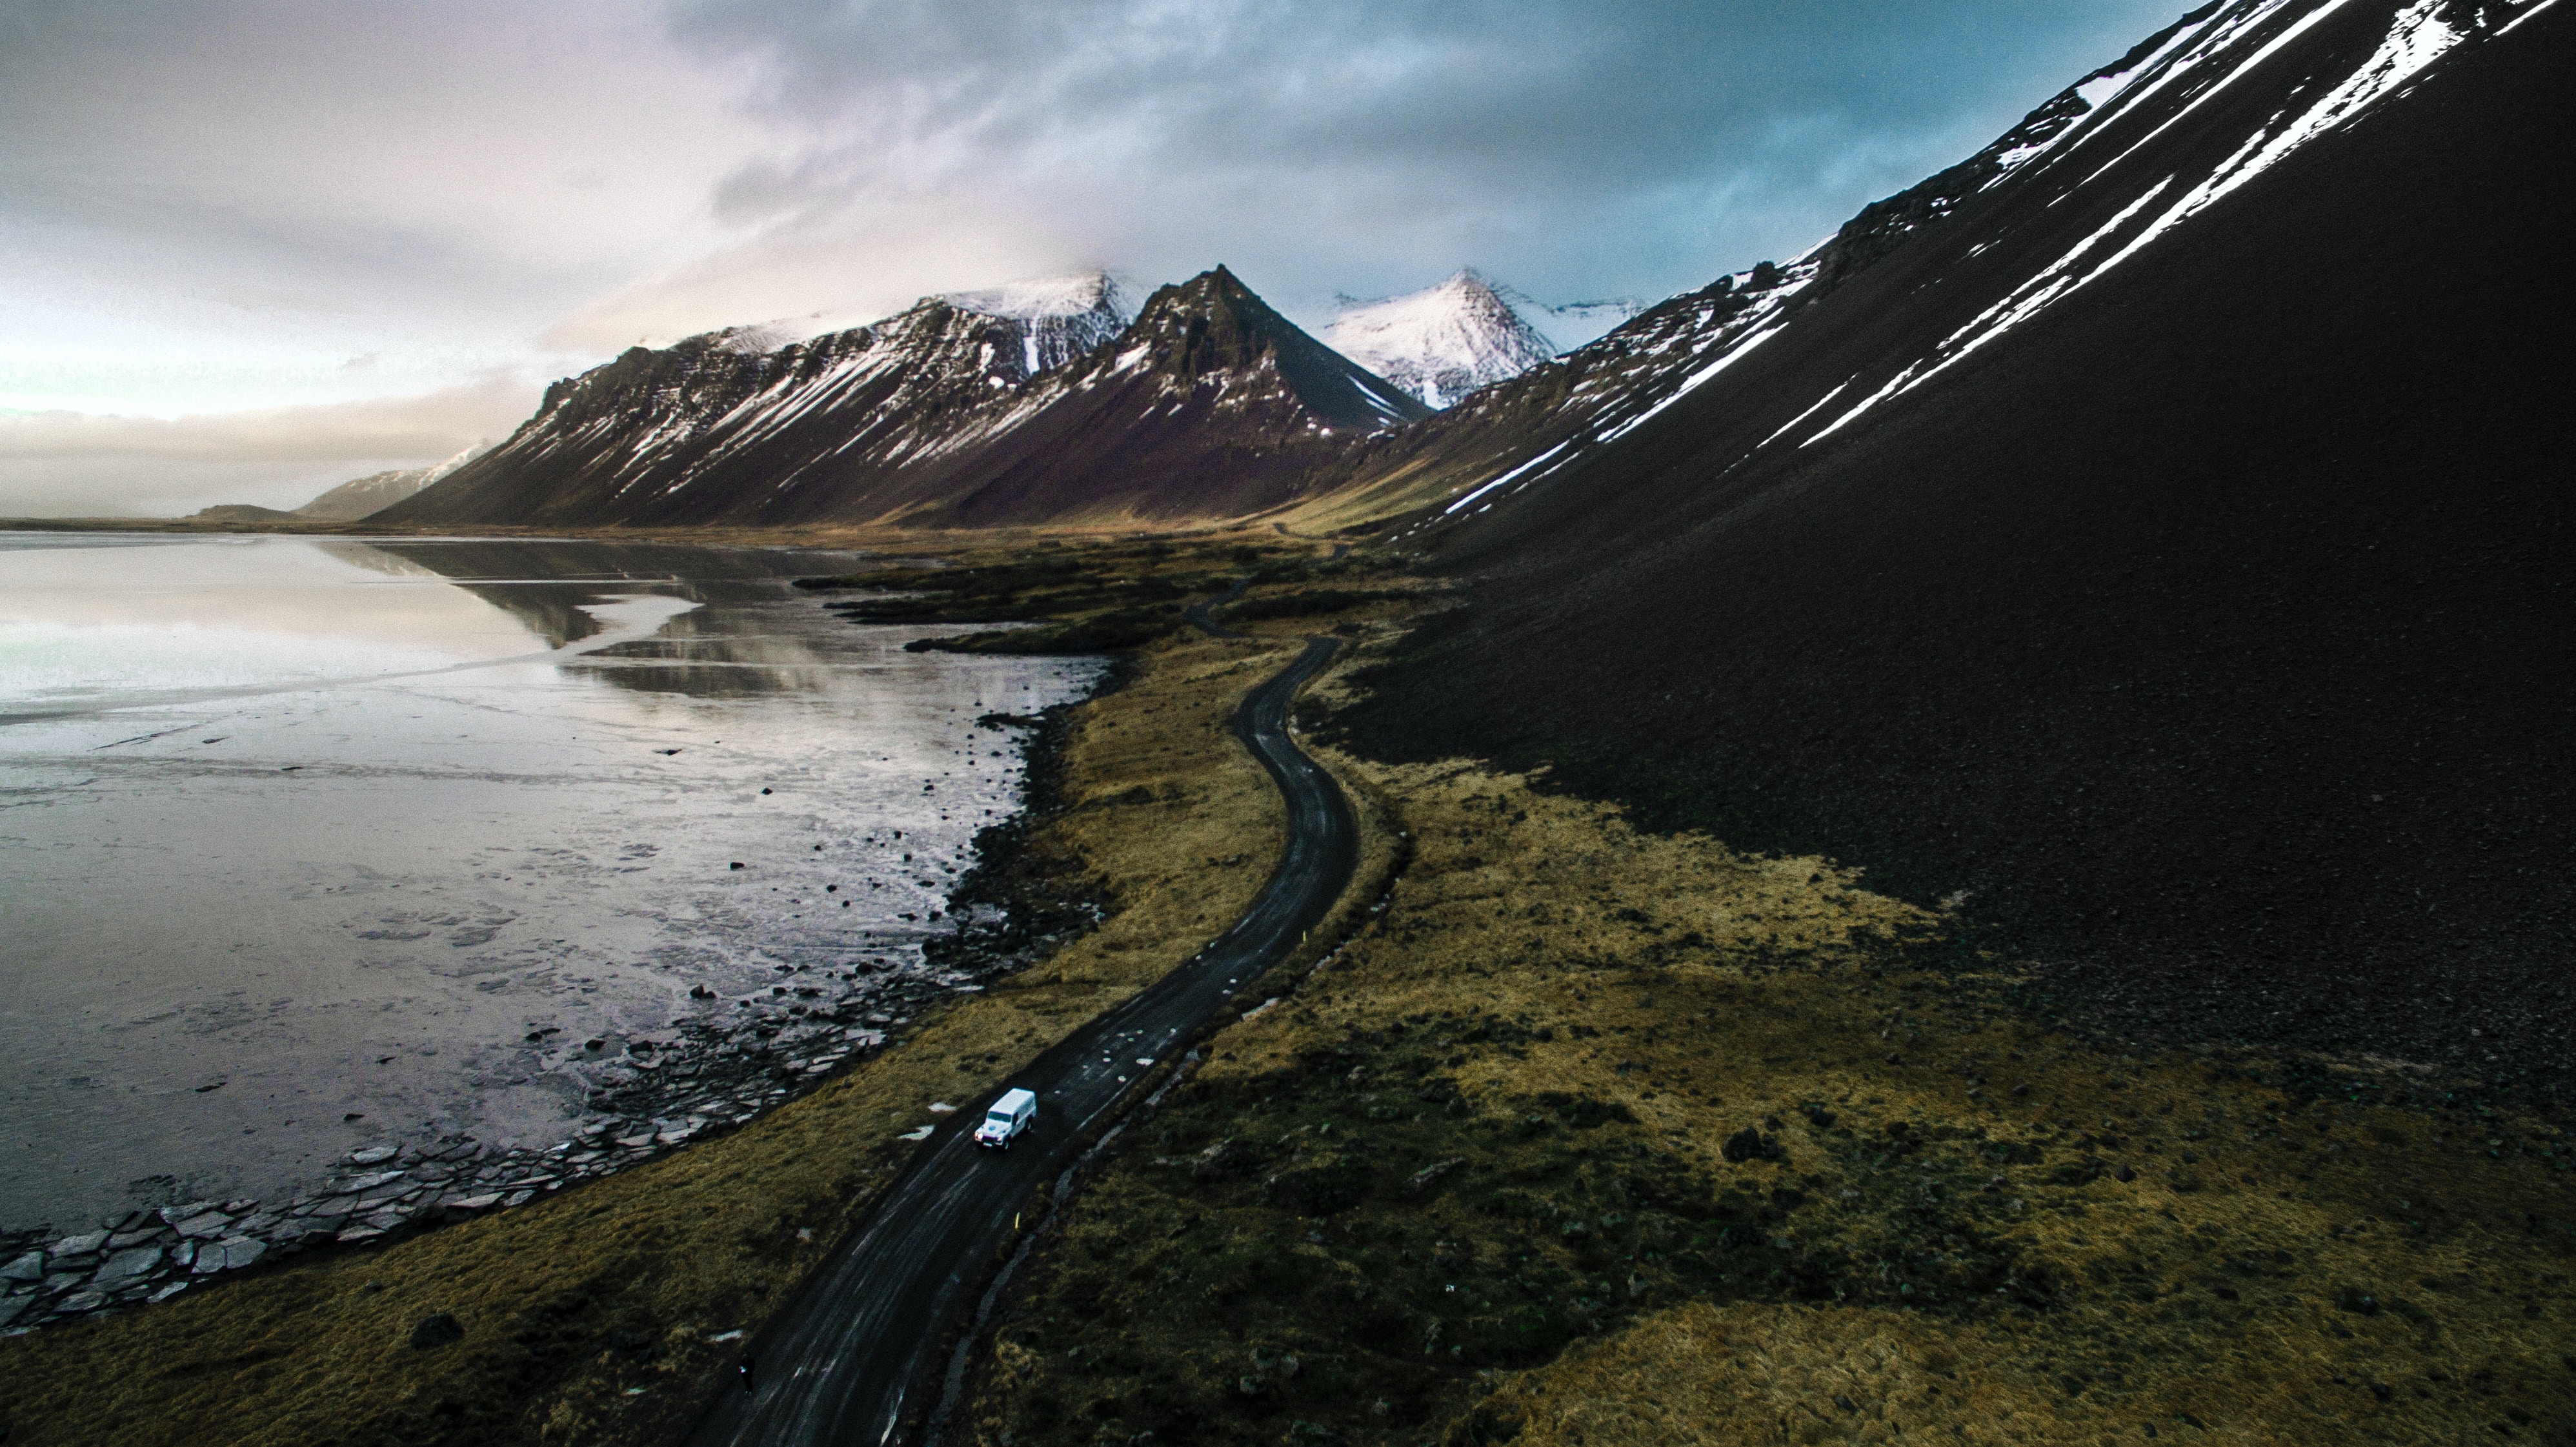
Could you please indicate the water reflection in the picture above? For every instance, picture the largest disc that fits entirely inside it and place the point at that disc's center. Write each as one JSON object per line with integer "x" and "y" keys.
{"x": 302, "y": 839}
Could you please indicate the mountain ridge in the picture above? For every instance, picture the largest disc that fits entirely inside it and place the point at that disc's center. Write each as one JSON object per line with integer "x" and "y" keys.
{"x": 939, "y": 416}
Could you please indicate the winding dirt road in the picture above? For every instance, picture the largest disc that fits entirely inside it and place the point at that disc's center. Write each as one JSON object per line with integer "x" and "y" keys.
{"x": 851, "y": 1360}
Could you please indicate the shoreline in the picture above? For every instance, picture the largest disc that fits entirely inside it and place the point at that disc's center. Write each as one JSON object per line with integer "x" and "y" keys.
{"x": 705, "y": 1075}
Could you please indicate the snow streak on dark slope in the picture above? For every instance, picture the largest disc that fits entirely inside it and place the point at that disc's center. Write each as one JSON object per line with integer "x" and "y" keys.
{"x": 980, "y": 408}
{"x": 2165, "y": 544}
{"x": 2118, "y": 160}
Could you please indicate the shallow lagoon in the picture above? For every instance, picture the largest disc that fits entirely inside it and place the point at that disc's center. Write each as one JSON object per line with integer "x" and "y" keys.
{"x": 301, "y": 840}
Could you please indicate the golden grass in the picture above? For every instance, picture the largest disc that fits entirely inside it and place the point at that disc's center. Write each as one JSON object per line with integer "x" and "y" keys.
{"x": 1946, "y": 1243}
{"x": 1172, "y": 825}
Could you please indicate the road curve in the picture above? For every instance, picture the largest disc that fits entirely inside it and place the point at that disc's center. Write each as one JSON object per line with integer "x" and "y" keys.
{"x": 848, "y": 1361}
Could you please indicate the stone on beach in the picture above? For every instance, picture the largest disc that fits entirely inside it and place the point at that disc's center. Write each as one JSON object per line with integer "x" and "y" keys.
{"x": 198, "y": 1228}
{"x": 126, "y": 1266}
{"x": 230, "y": 1254}
{"x": 30, "y": 1267}
{"x": 78, "y": 1245}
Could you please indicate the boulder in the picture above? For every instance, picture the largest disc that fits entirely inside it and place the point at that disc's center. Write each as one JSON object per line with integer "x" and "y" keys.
{"x": 436, "y": 1330}
{"x": 1750, "y": 1144}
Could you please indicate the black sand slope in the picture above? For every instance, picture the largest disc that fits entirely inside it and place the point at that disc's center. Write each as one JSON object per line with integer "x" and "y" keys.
{"x": 2212, "y": 633}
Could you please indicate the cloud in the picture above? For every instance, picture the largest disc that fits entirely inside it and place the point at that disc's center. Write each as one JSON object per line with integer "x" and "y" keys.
{"x": 65, "y": 464}
{"x": 1576, "y": 147}
{"x": 224, "y": 204}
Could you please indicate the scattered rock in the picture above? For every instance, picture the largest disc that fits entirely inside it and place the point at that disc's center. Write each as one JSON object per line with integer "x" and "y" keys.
{"x": 1750, "y": 1144}
{"x": 372, "y": 1155}
{"x": 230, "y": 1254}
{"x": 198, "y": 1228}
{"x": 436, "y": 1330}
{"x": 77, "y": 1245}
{"x": 30, "y": 1267}
{"x": 1422, "y": 1180}
{"x": 126, "y": 1267}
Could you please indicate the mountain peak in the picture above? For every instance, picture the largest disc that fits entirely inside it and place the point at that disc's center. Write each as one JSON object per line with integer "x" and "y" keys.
{"x": 1212, "y": 325}
{"x": 1444, "y": 341}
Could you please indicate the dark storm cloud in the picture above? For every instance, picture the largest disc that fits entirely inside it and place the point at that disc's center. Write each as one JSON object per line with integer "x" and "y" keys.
{"x": 1598, "y": 146}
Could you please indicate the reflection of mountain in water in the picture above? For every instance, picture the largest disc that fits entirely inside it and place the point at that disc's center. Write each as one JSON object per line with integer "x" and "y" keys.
{"x": 708, "y": 653}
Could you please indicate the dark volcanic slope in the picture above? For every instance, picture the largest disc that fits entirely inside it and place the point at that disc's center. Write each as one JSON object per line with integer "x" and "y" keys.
{"x": 2212, "y": 628}
{"x": 1210, "y": 404}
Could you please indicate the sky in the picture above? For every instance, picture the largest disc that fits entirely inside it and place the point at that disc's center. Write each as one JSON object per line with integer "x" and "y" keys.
{"x": 259, "y": 249}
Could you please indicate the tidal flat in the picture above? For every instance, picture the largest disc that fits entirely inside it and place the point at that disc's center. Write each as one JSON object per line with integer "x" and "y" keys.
{"x": 351, "y": 882}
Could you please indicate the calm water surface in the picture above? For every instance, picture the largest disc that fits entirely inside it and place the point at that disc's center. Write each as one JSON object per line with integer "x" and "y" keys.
{"x": 300, "y": 839}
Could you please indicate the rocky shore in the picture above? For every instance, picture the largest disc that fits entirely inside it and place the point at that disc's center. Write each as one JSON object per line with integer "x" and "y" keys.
{"x": 645, "y": 1094}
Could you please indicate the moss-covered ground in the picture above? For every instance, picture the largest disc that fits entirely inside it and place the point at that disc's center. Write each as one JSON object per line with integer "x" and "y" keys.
{"x": 1587, "y": 1136}
{"x": 1594, "y": 1136}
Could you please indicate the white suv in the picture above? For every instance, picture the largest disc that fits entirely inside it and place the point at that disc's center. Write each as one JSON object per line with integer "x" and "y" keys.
{"x": 1015, "y": 1112}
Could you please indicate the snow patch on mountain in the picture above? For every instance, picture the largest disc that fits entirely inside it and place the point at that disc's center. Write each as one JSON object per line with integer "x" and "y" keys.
{"x": 1059, "y": 317}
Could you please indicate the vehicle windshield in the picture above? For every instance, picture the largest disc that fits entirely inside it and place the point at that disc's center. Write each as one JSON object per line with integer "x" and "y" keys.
{"x": 999, "y": 1117}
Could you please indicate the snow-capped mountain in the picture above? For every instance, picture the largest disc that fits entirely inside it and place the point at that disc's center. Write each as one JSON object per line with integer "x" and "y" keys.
{"x": 2155, "y": 527}
{"x": 1442, "y": 342}
{"x": 361, "y": 497}
{"x": 991, "y": 406}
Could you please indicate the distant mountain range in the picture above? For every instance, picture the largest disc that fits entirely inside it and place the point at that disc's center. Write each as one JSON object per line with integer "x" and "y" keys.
{"x": 1032, "y": 404}
{"x": 1058, "y": 400}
